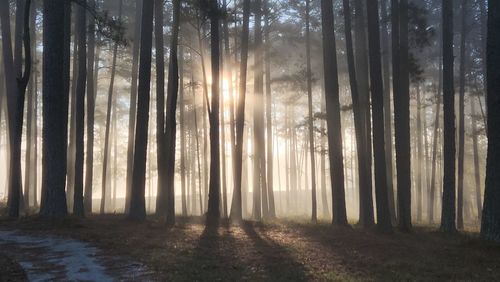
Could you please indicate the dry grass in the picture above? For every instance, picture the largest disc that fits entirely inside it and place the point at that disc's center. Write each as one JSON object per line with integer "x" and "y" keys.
{"x": 281, "y": 250}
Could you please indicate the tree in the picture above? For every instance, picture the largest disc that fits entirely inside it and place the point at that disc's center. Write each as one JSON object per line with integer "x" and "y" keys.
{"x": 310, "y": 115}
{"x": 91, "y": 92}
{"x": 213, "y": 212}
{"x": 15, "y": 94}
{"x": 137, "y": 201}
{"x": 55, "y": 106}
{"x": 133, "y": 102}
{"x": 377, "y": 95}
{"x": 111, "y": 98}
{"x": 490, "y": 224}
{"x": 170, "y": 133}
{"x": 361, "y": 69}
{"x": 448, "y": 212}
{"x": 333, "y": 114}
{"x": 236, "y": 205}
{"x": 81, "y": 26}
{"x": 461, "y": 120}
{"x": 401, "y": 89}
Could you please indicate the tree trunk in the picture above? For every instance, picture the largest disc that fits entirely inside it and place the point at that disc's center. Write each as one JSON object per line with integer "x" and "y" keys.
{"x": 490, "y": 224}
{"x": 236, "y": 205}
{"x": 448, "y": 207}
{"x": 162, "y": 194}
{"x": 361, "y": 69}
{"x": 213, "y": 212}
{"x": 56, "y": 38}
{"x": 461, "y": 121}
{"x": 387, "y": 108}
{"x": 420, "y": 156}
{"x": 401, "y": 89}
{"x": 107, "y": 150}
{"x": 81, "y": 38}
{"x": 170, "y": 122}
{"x": 133, "y": 103}
{"x": 91, "y": 93}
{"x": 377, "y": 95}
{"x": 310, "y": 109}
{"x": 183, "y": 133}
{"x": 477, "y": 172}
{"x": 333, "y": 114}
{"x": 137, "y": 201}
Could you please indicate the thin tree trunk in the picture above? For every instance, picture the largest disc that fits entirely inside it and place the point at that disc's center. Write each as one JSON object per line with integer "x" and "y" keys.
{"x": 477, "y": 172}
{"x": 461, "y": 121}
{"x": 310, "y": 109}
{"x": 91, "y": 92}
{"x": 107, "y": 150}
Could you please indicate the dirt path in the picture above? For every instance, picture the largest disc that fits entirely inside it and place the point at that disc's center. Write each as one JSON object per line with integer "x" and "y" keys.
{"x": 45, "y": 257}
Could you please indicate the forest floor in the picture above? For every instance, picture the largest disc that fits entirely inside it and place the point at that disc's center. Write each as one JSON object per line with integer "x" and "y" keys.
{"x": 277, "y": 251}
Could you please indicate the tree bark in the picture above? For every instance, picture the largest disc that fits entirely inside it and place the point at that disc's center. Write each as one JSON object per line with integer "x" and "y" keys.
{"x": 55, "y": 106}
{"x": 448, "y": 211}
{"x": 377, "y": 95}
{"x": 137, "y": 200}
{"x": 333, "y": 114}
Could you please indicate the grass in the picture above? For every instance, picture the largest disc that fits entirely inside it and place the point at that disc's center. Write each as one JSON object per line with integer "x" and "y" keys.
{"x": 283, "y": 250}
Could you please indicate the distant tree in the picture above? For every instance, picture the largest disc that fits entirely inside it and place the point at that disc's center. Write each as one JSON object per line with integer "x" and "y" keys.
{"x": 333, "y": 114}
{"x": 448, "y": 211}
{"x": 137, "y": 198}
{"x": 490, "y": 224}
{"x": 55, "y": 106}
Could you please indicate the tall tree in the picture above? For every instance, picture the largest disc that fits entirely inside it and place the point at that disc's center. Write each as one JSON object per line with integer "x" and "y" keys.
{"x": 213, "y": 212}
{"x": 91, "y": 92}
{"x": 333, "y": 114}
{"x": 236, "y": 205}
{"x": 269, "y": 110}
{"x": 401, "y": 89}
{"x": 107, "y": 150}
{"x": 461, "y": 120}
{"x": 133, "y": 102}
{"x": 448, "y": 212}
{"x": 366, "y": 217}
{"x": 490, "y": 224}
{"x": 81, "y": 26}
{"x": 55, "y": 106}
{"x": 170, "y": 123}
{"x": 137, "y": 198}
{"x": 377, "y": 95}
{"x": 310, "y": 109}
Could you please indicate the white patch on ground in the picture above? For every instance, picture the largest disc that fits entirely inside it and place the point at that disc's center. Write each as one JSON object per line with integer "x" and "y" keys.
{"x": 48, "y": 258}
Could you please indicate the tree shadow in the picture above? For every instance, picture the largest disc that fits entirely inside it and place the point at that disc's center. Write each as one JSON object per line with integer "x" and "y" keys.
{"x": 278, "y": 262}
{"x": 214, "y": 258}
